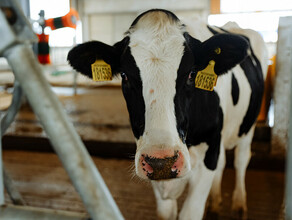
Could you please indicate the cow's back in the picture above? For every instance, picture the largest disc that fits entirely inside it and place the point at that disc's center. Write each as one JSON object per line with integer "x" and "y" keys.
{"x": 240, "y": 90}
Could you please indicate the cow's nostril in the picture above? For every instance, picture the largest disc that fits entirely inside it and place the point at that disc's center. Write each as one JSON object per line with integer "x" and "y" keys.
{"x": 173, "y": 168}
{"x": 146, "y": 167}
{"x": 160, "y": 168}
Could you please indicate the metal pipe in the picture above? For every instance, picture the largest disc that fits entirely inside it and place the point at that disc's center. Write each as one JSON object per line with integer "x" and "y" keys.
{"x": 5, "y": 123}
{"x": 11, "y": 189}
{"x": 288, "y": 195}
{"x": 13, "y": 109}
{"x": 66, "y": 142}
{"x": 284, "y": 50}
{"x": 289, "y": 172}
{"x": 2, "y": 199}
{"x": 75, "y": 75}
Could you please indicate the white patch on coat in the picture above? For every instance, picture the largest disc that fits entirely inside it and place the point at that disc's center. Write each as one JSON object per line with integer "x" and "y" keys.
{"x": 199, "y": 185}
{"x": 231, "y": 127}
{"x": 158, "y": 49}
{"x": 170, "y": 189}
{"x": 157, "y": 45}
{"x": 241, "y": 159}
{"x": 166, "y": 193}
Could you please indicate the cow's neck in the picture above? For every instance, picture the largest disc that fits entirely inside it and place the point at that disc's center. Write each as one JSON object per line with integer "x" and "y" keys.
{"x": 204, "y": 117}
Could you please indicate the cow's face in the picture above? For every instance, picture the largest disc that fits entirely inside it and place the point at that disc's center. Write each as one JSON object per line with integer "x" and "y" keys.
{"x": 158, "y": 62}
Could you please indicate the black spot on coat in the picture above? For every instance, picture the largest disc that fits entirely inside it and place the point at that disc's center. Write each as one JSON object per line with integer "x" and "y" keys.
{"x": 235, "y": 90}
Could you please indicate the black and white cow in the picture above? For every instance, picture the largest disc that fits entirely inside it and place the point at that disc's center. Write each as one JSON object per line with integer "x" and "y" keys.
{"x": 182, "y": 131}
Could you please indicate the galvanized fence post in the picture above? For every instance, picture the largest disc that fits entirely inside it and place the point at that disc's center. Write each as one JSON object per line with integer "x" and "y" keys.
{"x": 1, "y": 172}
{"x": 5, "y": 122}
{"x": 285, "y": 50}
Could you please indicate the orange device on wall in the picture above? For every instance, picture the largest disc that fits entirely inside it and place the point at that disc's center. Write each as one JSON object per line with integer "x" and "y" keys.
{"x": 69, "y": 20}
{"x": 268, "y": 91}
{"x": 43, "y": 49}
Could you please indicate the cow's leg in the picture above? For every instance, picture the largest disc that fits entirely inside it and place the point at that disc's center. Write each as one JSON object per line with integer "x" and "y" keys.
{"x": 166, "y": 193}
{"x": 215, "y": 194}
{"x": 241, "y": 160}
{"x": 199, "y": 186}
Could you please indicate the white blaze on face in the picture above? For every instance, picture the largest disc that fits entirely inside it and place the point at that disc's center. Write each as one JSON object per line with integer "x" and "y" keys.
{"x": 157, "y": 45}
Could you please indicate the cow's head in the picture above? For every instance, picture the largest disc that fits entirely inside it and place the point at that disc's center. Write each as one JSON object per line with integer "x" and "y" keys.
{"x": 158, "y": 61}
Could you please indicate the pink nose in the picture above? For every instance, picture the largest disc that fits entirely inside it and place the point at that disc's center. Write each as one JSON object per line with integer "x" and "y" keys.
{"x": 158, "y": 166}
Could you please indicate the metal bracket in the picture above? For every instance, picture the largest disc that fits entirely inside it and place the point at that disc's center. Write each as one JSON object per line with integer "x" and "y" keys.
{"x": 15, "y": 26}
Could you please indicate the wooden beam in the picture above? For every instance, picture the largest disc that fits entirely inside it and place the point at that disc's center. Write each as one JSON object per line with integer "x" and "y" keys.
{"x": 215, "y": 7}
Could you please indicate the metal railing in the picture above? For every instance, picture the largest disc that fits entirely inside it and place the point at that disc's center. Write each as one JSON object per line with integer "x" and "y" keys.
{"x": 15, "y": 45}
{"x": 286, "y": 22}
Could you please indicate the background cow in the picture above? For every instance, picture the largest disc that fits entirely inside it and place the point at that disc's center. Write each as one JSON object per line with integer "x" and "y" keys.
{"x": 181, "y": 131}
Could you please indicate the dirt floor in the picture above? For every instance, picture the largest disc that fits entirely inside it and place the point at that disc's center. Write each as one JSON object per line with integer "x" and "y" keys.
{"x": 43, "y": 182}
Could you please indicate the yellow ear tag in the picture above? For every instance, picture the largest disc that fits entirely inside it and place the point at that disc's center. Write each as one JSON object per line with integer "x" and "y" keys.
{"x": 206, "y": 79}
{"x": 101, "y": 71}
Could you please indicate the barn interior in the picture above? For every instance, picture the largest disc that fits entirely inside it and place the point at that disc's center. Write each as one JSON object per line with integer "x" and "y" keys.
{"x": 36, "y": 181}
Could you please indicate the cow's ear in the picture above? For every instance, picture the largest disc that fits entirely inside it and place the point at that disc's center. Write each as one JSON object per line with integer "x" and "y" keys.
{"x": 227, "y": 50}
{"x": 82, "y": 56}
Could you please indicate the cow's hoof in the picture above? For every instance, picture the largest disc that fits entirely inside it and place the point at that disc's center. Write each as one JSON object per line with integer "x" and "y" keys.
{"x": 215, "y": 205}
{"x": 239, "y": 213}
{"x": 210, "y": 215}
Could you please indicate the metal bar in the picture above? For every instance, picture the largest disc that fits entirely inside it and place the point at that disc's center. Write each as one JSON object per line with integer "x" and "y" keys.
{"x": 66, "y": 142}
{"x": 289, "y": 170}
{"x": 11, "y": 189}
{"x": 9, "y": 212}
{"x": 75, "y": 74}
{"x": 288, "y": 32}
{"x": 284, "y": 65}
{"x": 13, "y": 109}
{"x": 5, "y": 123}
{"x": 2, "y": 199}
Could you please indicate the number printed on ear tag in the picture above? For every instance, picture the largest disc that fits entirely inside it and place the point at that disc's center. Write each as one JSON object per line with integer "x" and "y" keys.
{"x": 206, "y": 79}
{"x": 101, "y": 71}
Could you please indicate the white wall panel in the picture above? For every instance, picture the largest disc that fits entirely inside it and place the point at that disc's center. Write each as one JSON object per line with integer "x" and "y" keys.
{"x": 101, "y": 28}
{"x": 125, "y": 6}
{"x": 107, "y": 20}
{"x": 121, "y": 24}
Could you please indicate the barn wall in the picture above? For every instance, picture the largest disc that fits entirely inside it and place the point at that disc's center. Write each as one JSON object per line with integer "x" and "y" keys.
{"x": 107, "y": 20}
{"x": 282, "y": 86}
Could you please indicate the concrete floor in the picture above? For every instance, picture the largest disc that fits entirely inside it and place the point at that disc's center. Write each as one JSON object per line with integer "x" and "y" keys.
{"x": 101, "y": 118}
{"x": 97, "y": 114}
{"x": 43, "y": 182}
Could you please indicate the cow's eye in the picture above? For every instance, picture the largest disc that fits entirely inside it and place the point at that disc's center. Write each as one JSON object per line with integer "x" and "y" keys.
{"x": 192, "y": 75}
{"x": 124, "y": 76}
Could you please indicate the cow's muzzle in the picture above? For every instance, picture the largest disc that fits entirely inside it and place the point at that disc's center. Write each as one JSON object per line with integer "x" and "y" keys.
{"x": 162, "y": 164}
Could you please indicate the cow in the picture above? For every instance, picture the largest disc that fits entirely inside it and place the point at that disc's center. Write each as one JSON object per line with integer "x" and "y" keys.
{"x": 181, "y": 120}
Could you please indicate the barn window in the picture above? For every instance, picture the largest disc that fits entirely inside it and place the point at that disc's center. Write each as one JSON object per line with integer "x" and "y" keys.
{"x": 60, "y": 40}
{"x": 63, "y": 37}
{"x": 260, "y": 15}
